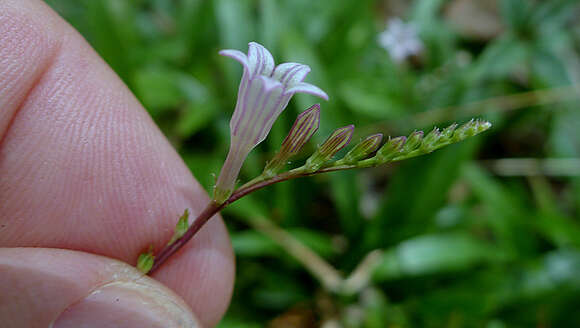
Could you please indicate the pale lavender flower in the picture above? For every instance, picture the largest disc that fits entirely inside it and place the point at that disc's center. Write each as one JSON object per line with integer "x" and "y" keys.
{"x": 400, "y": 40}
{"x": 263, "y": 94}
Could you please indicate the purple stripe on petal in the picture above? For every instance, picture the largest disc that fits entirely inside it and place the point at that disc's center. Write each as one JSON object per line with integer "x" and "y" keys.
{"x": 268, "y": 121}
{"x": 277, "y": 109}
{"x": 259, "y": 64}
{"x": 297, "y": 76}
{"x": 289, "y": 74}
{"x": 270, "y": 85}
{"x": 307, "y": 88}
{"x": 282, "y": 70}
{"x": 256, "y": 119}
{"x": 251, "y": 107}
{"x": 240, "y": 109}
{"x": 243, "y": 104}
{"x": 260, "y": 103}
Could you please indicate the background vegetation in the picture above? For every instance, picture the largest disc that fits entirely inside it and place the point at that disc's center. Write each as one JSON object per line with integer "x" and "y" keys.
{"x": 485, "y": 233}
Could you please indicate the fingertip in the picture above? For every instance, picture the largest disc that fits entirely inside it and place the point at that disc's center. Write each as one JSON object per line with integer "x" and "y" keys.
{"x": 60, "y": 288}
{"x": 84, "y": 167}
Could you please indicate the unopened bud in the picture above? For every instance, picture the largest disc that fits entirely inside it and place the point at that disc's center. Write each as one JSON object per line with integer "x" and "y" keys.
{"x": 391, "y": 149}
{"x": 304, "y": 127}
{"x": 447, "y": 133}
{"x": 337, "y": 140}
{"x": 431, "y": 141}
{"x": 363, "y": 149}
{"x": 464, "y": 131}
{"x": 413, "y": 142}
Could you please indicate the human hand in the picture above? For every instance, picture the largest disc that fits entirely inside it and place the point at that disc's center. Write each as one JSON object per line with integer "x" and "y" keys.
{"x": 89, "y": 181}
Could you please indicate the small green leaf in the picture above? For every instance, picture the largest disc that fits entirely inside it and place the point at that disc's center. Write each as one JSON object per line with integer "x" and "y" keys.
{"x": 183, "y": 223}
{"x": 145, "y": 261}
{"x": 181, "y": 227}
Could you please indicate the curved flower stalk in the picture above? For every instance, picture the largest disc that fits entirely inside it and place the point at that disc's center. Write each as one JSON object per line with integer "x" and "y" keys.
{"x": 264, "y": 92}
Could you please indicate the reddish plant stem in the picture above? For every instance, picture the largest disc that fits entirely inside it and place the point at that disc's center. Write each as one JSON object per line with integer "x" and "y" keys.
{"x": 213, "y": 208}
{"x": 210, "y": 210}
{"x": 279, "y": 178}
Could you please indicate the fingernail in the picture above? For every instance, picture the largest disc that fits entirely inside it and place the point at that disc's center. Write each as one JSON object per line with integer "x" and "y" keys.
{"x": 127, "y": 304}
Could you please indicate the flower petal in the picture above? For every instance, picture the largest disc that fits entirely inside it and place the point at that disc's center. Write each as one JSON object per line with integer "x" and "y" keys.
{"x": 260, "y": 59}
{"x": 237, "y": 55}
{"x": 307, "y": 88}
{"x": 268, "y": 110}
{"x": 261, "y": 106}
{"x": 290, "y": 74}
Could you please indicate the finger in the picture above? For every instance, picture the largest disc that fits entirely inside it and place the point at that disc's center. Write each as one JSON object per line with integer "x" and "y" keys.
{"x": 83, "y": 166}
{"x": 42, "y": 287}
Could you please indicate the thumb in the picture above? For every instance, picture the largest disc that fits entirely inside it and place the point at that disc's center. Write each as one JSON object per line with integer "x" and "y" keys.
{"x": 62, "y": 288}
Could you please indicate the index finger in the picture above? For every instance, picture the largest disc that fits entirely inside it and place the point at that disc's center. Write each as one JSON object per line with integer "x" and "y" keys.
{"x": 83, "y": 166}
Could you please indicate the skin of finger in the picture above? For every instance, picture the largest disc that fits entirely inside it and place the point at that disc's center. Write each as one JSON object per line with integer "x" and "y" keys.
{"x": 84, "y": 167}
{"x": 39, "y": 285}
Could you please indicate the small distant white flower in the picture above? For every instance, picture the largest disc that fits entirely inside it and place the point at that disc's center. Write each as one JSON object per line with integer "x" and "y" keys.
{"x": 264, "y": 92}
{"x": 400, "y": 39}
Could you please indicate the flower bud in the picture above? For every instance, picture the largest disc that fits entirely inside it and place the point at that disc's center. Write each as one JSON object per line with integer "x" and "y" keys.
{"x": 447, "y": 133}
{"x": 337, "y": 140}
{"x": 413, "y": 142}
{"x": 431, "y": 141}
{"x": 304, "y": 127}
{"x": 391, "y": 149}
{"x": 264, "y": 92}
{"x": 470, "y": 129}
{"x": 363, "y": 149}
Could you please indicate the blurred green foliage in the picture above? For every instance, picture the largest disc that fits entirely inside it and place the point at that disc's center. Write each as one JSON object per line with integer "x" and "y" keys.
{"x": 460, "y": 245}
